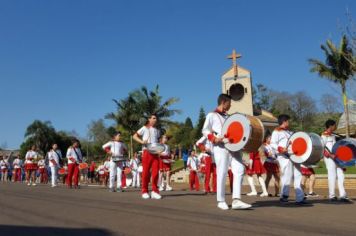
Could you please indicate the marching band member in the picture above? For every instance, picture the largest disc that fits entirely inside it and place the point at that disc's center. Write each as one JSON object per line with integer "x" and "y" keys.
{"x": 206, "y": 148}
{"x": 148, "y": 134}
{"x": 271, "y": 164}
{"x": 279, "y": 143}
{"x": 17, "y": 169}
{"x": 334, "y": 171}
{"x": 134, "y": 164}
{"x": 308, "y": 173}
{"x": 4, "y": 165}
{"x": 42, "y": 170}
{"x": 31, "y": 165}
{"x": 106, "y": 170}
{"x": 92, "y": 168}
{"x": 74, "y": 156}
{"x": 116, "y": 149}
{"x": 165, "y": 166}
{"x": 54, "y": 156}
{"x": 212, "y": 129}
{"x": 101, "y": 173}
{"x": 193, "y": 164}
{"x": 255, "y": 167}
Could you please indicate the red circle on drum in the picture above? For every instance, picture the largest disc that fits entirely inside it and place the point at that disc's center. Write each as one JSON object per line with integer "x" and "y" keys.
{"x": 299, "y": 146}
{"x": 235, "y": 132}
{"x": 344, "y": 153}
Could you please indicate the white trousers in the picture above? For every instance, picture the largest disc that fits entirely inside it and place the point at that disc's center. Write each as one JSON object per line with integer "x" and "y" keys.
{"x": 334, "y": 172}
{"x": 289, "y": 170}
{"x": 115, "y": 170}
{"x": 223, "y": 159}
{"x": 54, "y": 170}
{"x": 135, "y": 178}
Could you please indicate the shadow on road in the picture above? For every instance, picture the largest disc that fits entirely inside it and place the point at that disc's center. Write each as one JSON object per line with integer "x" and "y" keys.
{"x": 15, "y": 230}
{"x": 292, "y": 204}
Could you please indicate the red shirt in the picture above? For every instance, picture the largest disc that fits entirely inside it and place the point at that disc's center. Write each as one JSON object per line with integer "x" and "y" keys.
{"x": 92, "y": 167}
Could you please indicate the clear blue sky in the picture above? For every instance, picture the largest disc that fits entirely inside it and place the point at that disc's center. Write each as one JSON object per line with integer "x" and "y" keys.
{"x": 64, "y": 61}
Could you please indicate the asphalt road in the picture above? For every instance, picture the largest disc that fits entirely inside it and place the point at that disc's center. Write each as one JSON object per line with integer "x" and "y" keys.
{"x": 88, "y": 211}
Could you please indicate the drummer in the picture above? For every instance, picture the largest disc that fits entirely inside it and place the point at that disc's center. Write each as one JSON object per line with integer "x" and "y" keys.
{"x": 212, "y": 129}
{"x": 149, "y": 134}
{"x": 279, "y": 143}
{"x": 116, "y": 149}
{"x": 31, "y": 166}
{"x": 165, "y": 166}
{"x": 334, "y": 171}
{"x": 206, "y": 155}
{"x": 74, "y": 156}
{"x": 134, "y": 165}
{"x": 308, "y": 173}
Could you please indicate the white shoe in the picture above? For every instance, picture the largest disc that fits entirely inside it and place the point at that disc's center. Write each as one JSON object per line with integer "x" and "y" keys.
{"x": 264, "y": 195}
{"x": 155, "y": 195}
{"x": 169, "y": 188}
{"x": 252, "y": 194}
{"x": 223, "y": 206}
{"x": 161, "y": 188}
{"x": 239, "y": 205}
{"x": 34, "y": 184}
{"x": 53, "y": 186}
{"x": 29, "y": 184}
{"x": 145, "y": 196}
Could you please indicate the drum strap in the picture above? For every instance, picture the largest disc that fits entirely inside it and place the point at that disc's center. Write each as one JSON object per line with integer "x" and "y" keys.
{"x": 77, "y": 154}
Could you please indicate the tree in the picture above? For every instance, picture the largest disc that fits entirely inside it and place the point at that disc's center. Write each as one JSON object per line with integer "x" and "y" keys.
{"x": 41, "y": 134}
{"x": 262, "y": 97}
{"x": 200, "y": 124}
{"x": 281, "y": 103}
{"x": 339, "y": 67}
{"x": 304, "y": 110}
{"x": 98, "y": 132}
{"x": 133, "y": 111}
{"x": 329, "y": 103}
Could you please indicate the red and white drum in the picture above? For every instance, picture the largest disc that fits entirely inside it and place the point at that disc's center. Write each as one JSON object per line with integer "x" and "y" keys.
{"x": 62, "y": 171}
{"x": 243, "y": 132}
{"x": 83, "y": 166}
{"x": 345, "y": 152}
{"x": 305, "y": 148}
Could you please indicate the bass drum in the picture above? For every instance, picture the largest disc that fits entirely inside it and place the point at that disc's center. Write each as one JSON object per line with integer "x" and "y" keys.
{"x": 345, "y": 152}
{"x": 243, "y": 132}
{"x": 305, "y": 148}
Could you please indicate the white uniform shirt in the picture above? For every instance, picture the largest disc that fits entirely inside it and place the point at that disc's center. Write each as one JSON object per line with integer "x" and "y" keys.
{"x": 76, "y": 154}
{"x": 267, "y": 148}
{"x": 107, "y": 165}
{"x": 329, "y": 140}
{"x": 208, "y": 147}
{"x": 193, "y": 163}
{"x": 279, "y": 140}
{"x": 17, "y": 163}
{"x": 134, "y": 164}
{"x": 3, "y": 164}
{"x": 101, "y": 169}
{"x": 149, "y": 134}
{"x": 117, "y": 149}
{"x": 55, "y": 156}
{"x": 213, "y": 125}
{"x": 31, "y": 157}
{"x": 41, "y": 163}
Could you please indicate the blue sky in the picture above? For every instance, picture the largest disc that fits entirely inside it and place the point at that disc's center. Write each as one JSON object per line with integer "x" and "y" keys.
{"x": 65, "y": 61}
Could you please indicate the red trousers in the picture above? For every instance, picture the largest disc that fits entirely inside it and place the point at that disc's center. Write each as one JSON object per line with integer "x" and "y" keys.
{"x": 17, "y": 176}
{"x": 149, "y": 161}
{"x": 73, "y": 173}
{"x": 194, "y": 180}
{"x": 123, "y": 180}
{"x": 43, "y": 174}
{"x": 210, "y": 168}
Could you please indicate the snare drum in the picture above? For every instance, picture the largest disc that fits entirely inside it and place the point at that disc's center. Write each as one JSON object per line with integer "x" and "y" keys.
{"x": 243, "y": 132}
{"x": 305, "y": 148}
{"x": 155, "y": 148}
{"x": 345, "y": 152}
{"x": 118, "y": 158}
{"x": 127, "y": 171}
{"x": 83, "y": 166}
{"x": 62, "y": 171}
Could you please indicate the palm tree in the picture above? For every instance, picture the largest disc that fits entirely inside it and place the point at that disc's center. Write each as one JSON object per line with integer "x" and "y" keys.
{"x": 42, "y": 134}
{"x": 339, "y": 67}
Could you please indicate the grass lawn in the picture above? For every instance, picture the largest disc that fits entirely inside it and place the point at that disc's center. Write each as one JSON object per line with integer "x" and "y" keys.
{"x": 322, "y": 169}
{"x": 177, "y": 164}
